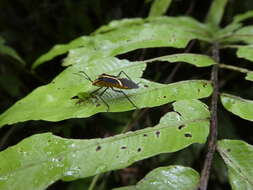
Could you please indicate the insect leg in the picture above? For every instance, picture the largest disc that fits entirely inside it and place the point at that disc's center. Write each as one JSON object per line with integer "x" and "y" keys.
{"x": 100, "y": 96}
{"x": 107, "y": 105}
{"x": 120, "y": 91}
{"x": 124, "y": 74}
{"x": 94, "y": 92}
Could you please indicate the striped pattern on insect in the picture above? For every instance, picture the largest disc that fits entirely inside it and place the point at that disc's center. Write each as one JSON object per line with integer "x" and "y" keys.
{"x": 110, "y": 81}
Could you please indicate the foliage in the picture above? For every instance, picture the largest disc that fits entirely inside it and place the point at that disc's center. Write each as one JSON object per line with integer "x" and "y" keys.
{"x": 145, "y": 48}
{"x": 6, "y": 50}
{"x": 60, "y": 158}
{"x": 171, "y": 177}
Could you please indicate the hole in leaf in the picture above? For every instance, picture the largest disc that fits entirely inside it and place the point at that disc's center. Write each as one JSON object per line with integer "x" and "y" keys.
{"x": 164, "y": 96}
{"x": 145, "y": 85}
{"x": 74, "y": 97}
{"x": 204, "y": 84}
{"x": 181, "y": 127}
{"x": 145, "y": 135}
{"x": 139, "y": 149}
{"x": 98, "y": 148}
{"x": 157, "y": 133}
{"x": 188, "y": 135}
{"x": 123, "y": 147}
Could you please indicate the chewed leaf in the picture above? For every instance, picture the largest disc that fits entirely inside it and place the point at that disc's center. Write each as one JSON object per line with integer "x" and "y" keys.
{"x": 46, "y": 158}
{"x": 61, "y": 98}
{"x": 128, "y": 35}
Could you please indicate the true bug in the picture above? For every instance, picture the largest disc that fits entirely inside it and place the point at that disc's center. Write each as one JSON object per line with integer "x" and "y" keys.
{"x": 110, "y": 81}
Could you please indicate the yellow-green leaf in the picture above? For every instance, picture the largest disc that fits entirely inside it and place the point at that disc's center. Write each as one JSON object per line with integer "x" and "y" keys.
{"x": 42, "y": 159}
{"x": 58, "y": 100}
{"x": 167, "y": 178}
{"x": 238, "y": 156}
{"x": 238, "y": 106}
{"x": 159, "y": 7}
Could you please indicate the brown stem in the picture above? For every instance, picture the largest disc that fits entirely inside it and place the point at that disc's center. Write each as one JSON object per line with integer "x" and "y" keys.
{"x": 212, "y": 140}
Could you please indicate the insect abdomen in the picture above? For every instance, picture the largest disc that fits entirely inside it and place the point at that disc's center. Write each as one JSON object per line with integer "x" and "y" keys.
{"x": 128, "y": 84}
{"x": 121, "y": 83}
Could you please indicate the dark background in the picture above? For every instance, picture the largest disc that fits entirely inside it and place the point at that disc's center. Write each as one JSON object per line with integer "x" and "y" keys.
{"x": 33, "y": 27}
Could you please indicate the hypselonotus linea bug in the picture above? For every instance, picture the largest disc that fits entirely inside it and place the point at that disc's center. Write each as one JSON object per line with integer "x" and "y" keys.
{"x": 110, "y": 81}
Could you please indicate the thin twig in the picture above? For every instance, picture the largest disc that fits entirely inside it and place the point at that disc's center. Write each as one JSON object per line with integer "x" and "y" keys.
{"x": 212, "y": 140}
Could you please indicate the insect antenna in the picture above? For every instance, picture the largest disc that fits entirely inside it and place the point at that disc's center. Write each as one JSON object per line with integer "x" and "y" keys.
{"x": 86, "y": 76}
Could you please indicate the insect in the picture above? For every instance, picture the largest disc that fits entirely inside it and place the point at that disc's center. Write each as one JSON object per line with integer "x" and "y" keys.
{"x": 110, "y": 81}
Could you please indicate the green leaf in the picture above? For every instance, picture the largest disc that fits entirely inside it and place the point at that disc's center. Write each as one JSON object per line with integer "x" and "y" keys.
{"x": 238, "y": 106}
{"x": 60, "y": 49}
{"x": 245, "y": 52}
{"x": 245, "y": 34}
{"x": 195, "y": 59}
{"x": 168, "y": 178}
{"x": 238, "y": 156}
{"x": 46, "y": 158}
{"x": 125, "y": 36}
{"x": 179, "y": 31}
{"x": 224, "y": 34}
{"x": 215, "y": 12}
{"x": 248, "y": 73}
{"x": 241, "y": 17}
{"x": 113, "y": 25}
{"x": 249, "y": 76}
{"x": 6, "y": 50}
{"x": 54, "y": 102}
{"x": 159, "y": 7}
